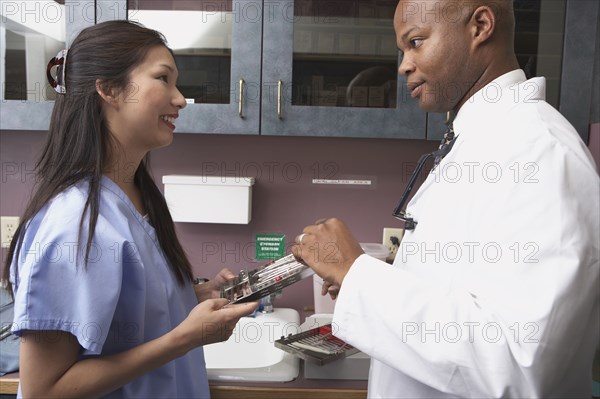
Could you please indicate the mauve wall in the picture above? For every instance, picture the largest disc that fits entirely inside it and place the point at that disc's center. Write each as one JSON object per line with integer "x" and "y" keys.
{"x": 284, "y": 198}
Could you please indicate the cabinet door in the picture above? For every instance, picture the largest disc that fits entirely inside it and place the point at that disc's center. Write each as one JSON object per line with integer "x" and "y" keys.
{"x": 31, "y": 33}
{"x": 217, "y": 46}
{"x": 330, "y": 69}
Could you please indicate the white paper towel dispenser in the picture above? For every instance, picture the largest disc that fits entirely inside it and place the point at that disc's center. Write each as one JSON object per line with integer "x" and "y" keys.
{"x": 209, "y": 199}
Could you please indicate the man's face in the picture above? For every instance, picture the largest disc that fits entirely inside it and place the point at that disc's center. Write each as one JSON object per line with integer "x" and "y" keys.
{"x": 433, "y": 35}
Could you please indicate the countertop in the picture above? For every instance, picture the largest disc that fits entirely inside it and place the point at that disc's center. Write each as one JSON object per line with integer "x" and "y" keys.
{"x": 300, "y": 388}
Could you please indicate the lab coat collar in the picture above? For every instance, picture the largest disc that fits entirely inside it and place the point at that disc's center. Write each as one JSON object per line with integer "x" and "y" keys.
{"x": 477, "y": 115}
{"x": 498, "y": 96}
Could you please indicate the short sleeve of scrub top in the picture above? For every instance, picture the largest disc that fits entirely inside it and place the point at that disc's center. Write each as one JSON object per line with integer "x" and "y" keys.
{"x": 55, "y": 290}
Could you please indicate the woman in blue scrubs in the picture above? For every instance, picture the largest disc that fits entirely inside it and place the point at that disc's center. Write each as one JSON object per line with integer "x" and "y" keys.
{"x": 104, "y": 298}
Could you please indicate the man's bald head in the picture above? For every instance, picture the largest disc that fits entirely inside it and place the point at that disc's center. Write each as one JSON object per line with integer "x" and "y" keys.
{"x": 453, "y": 47}
{"x": 461, "y": 11}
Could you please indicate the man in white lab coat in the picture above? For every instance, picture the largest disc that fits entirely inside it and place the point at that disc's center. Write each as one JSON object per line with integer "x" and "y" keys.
{"x": 495, "y": 291}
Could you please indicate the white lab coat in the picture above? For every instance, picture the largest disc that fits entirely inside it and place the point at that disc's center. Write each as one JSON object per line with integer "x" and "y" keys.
{"x": 495, "y": 293}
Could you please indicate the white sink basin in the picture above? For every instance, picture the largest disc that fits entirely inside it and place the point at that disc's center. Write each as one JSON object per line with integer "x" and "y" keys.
{"x": 250, "y": 353}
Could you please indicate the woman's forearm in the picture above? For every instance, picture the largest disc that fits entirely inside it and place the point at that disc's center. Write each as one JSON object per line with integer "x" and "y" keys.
{"x": 67, "y": 377}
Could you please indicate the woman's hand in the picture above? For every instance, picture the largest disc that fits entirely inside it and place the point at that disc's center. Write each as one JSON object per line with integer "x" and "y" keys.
{"x": 212, "y": 289}
{"x": 212, "y": 321}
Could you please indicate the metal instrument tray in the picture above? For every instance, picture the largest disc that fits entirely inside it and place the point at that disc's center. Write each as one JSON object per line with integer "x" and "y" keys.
{"x": 265, "y": 280}
{"x": 317, "y": 345}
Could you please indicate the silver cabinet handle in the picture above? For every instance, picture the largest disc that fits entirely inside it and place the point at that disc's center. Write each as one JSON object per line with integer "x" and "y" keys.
{"x": 241, "y": 105}
{"x": 279, "y": 95}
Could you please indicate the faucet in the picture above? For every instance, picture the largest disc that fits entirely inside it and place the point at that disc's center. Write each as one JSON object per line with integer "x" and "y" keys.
{"x": 267, "y": 302}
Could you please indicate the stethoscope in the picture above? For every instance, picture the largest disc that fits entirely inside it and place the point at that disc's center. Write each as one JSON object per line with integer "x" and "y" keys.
{"x": 400, "y": 212}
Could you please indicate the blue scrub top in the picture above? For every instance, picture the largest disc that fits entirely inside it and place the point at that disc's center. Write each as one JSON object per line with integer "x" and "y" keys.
{"x": 125, "y": 296}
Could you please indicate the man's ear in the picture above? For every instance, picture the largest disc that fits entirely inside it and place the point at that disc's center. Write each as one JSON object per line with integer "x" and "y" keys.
{"x": 107, "y": 93}
{"x": 483, "y": 24}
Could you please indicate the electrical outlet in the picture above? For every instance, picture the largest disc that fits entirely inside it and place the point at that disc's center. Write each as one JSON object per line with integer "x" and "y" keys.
{"x": 391, "y": 239}
{"x": 8, "y": 226}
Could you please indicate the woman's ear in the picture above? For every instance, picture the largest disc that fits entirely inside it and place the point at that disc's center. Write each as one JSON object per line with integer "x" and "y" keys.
{"x": 107, "y": 93}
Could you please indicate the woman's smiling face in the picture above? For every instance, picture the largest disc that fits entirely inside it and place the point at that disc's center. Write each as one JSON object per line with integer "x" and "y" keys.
{"x": 145, "y": 112}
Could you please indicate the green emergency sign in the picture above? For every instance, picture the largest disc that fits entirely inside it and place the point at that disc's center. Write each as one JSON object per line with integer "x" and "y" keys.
{"x": 270, "y": 246}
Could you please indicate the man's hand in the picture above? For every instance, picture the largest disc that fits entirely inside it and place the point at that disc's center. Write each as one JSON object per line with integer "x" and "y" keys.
{"x": 329, "y": 248}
